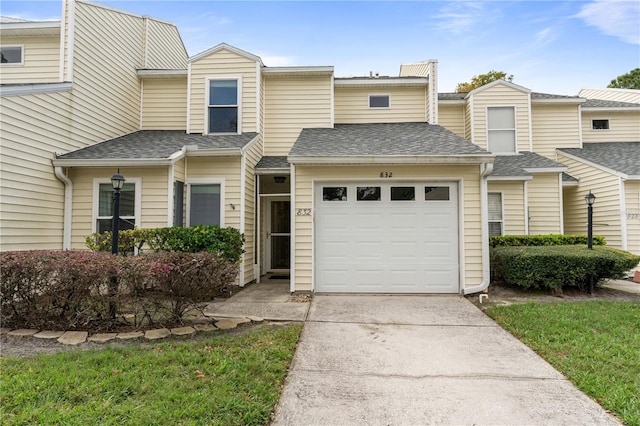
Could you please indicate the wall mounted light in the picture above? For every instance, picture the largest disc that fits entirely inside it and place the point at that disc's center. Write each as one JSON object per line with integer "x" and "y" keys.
{"x": 279, "y": 179}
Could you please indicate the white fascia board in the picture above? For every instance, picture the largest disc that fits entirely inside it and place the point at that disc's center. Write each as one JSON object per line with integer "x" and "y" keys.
{"x": 33, "y": 89}
{"x": 112, "y": 162}
{"x": 161, "y": 73}
{"x": 312, "y": 70}
{"x": 380, "y": 81}
{"x": 225, "y": 46}
{"x": 631, "y": 177}
{"x": 273, "y": 171}
{"x": 38, "y": 28}
{"x": 569, "y": 184}
{"x": 609, "y": 109}
{"x": 452, "y": 102}
{"x": 509, "y": 178}
{"x": 597, "y": 166}
{"x": 391, "y": 159}
{"x": 214, "y": 152}
{"x": 576, "y": 101}
{"x": 546, "y": 169}
{"x": 252, "y": 142}
{"x": 495, "y": 83}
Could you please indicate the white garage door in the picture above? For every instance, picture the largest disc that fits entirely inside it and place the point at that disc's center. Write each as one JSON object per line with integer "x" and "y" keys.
{"x": 386, "y": 237}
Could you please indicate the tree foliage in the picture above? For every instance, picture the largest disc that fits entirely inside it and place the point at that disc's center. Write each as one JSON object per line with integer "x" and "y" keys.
{"x": 482, "y": 79}
{"x": 630, "y": 80}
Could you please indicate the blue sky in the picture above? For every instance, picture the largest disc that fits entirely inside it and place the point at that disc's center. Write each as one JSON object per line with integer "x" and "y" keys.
{"x": 549, "y": 46}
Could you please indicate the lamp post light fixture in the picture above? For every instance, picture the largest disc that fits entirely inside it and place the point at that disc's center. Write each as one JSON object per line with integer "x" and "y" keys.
{"x": 117, "y": 181}
{"x": 590, "y": 199}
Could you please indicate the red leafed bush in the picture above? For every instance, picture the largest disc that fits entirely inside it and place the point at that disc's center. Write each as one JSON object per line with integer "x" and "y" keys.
{"x": 93, "y": 290}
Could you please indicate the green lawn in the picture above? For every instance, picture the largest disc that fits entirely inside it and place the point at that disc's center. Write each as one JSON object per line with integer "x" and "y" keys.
{"x": 230, "y": 379}
{"x": 595, "y": 344}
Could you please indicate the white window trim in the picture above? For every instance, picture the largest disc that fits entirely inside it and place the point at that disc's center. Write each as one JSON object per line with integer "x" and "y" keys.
{"x": 501, "y": 221}
{"x": 205, "y": 181}
{"x": 380, "y": 95}
{"x": 608, "y": 120}
{"x": 96, "y": 200}
{"x": 208, "y": 79}
{"x": 515, "y": 129}
{"x": 15, "y": 64}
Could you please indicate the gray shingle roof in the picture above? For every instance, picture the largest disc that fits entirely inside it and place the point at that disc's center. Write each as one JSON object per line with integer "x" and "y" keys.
{"x": 623, "y": 157}
{"x": 567, "y": 178}
{"x": 451, "y": 96}
{"x": 601, "y": 103}
{"x": 273, "y": 162}
{"x": 388, "y": 139}
{"x": 515, "y": 165}
{"x": 534, "y": 95}
{"x": 159, "y": 144}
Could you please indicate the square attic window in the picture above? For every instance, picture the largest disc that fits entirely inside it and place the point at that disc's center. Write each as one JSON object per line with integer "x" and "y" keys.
{"x": 600, "y": 124}
{"x": 379, "y": 101}
{"x": 11, "y": 55}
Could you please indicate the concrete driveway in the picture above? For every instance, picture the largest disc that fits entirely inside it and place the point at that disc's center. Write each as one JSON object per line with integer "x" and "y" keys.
{"x": 418, "y": 360}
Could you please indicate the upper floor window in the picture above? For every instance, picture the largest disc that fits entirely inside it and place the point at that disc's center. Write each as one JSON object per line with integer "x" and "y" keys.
{"x": 600, "y": 124}
{"x": 12, "y": 55}
{"x": 379, "y": 101}
{"x": 501, "y": 129}
{"x": 223, "y": 106}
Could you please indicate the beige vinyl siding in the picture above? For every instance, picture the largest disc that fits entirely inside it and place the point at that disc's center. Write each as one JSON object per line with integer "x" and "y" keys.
{"x": 164, "y": 104}
{"x": 252, "y": 156}
{"x": 606, "y": 209}
{"x": 407, "y": 104}
{"x": 153, "y": 208}
{"x": 164, "y": 47}
{"x": 179, "y": 170}
{"x": 632, "y": 199}
{"x": 497, "y": 96}
{"x": 222, "y": 64}
{"x": 303, "y": 225}
{"x": 418, "y": 69}
{"x": 452, "y": 117}
{"x": 555, "y": 126}
{"x": 291, "y": 104}
{"x": 32, "y": 198}
{"x": 41, "y": 57}
{"x": 544, "y": 195}
{"x": 620, "y": 95}
{"x": 227, "y": 168}
{"x": 468, "y": 128}
{"x": 624, "y": 126}
{"x": 106, "y": 88}
{"x": 513, "y": 204}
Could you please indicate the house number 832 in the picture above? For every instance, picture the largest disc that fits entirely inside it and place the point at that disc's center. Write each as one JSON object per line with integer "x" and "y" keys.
{"x": 386, "y": 175}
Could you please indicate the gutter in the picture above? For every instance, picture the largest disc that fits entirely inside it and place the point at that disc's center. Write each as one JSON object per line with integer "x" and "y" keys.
{"x": 485, "y": 170}
{"x": 68, "y": 200}
{"x": 391, "y": 159}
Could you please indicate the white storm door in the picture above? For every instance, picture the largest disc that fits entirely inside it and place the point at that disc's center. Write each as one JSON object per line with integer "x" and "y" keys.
{"x": 278, "y": 234}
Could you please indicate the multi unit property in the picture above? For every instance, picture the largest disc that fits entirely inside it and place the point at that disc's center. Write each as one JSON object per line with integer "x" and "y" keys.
{"x": 369, "y": 184}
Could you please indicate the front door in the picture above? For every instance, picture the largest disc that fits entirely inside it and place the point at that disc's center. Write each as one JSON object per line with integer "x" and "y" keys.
{"x": 278, "y": 234}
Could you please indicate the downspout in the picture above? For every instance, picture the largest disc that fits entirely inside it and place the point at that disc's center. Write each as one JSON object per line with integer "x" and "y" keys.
{"x": 485, "y": 170}
{"x": 68, "y": 198}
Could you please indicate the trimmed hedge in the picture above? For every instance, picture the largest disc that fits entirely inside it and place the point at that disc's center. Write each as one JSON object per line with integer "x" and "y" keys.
{"x": 226, "y": 242}
{"x": 80, "y": 289}
{"x": 553, "y": 267}
{"x": 543, "y": 240}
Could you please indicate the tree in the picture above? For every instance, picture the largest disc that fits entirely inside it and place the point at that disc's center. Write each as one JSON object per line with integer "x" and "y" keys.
{"x": 630, "y": 80}
{"x": 482, "y": 79}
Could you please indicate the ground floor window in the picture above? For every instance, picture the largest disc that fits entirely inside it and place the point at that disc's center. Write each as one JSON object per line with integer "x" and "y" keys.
{"x": 496, "y": 223}
{"x": 104, "y": 217}
{"x": 205, "y": 204}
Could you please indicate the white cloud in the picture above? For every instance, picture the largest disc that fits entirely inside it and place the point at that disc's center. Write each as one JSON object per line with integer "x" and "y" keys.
{"x": 459, "y": 16}
{"x": 617, "y": 18}
{"x": 545, "y": 36}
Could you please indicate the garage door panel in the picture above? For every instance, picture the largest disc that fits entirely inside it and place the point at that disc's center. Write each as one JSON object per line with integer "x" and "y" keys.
{"x": 387, "y": 246}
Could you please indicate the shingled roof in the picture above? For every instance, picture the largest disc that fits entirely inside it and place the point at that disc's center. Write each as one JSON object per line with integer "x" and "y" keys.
{"x": 155, "y": 144}
{"x": 601, "y": 103}
{"x": 523, "y": 164}
{"x": 455, "y": 96}
{"x": 620, "y": 157}
{"x": 382, "y": 139}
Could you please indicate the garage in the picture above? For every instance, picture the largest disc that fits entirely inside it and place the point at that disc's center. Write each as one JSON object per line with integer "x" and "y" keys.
{"x": 386, "y": 237}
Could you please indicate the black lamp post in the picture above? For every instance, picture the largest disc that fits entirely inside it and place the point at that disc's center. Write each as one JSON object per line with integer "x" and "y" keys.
{"x": 117, "y": 181}
{"x": 590, "y": 199}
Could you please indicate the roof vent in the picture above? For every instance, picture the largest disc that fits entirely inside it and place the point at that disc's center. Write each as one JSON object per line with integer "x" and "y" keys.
{"x": 377, "y": 74}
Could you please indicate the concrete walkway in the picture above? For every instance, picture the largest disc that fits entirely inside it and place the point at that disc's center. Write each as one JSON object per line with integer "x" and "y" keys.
{"x": 419, "y": 360}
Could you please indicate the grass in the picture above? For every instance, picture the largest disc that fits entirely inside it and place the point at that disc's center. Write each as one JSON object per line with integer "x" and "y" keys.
{"x": 595, "y": 344}
{"x": 232, "y": 379}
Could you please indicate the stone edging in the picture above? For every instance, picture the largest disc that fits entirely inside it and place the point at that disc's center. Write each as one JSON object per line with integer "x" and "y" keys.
{"x": 78, "y": 337}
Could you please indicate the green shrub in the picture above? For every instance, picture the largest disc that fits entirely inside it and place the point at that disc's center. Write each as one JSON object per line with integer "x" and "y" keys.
{"x": 128, "y": 240}
{"x": 553, "y": 267}
{"x": 226, "y": 242}
{"x": 543, "y": 240}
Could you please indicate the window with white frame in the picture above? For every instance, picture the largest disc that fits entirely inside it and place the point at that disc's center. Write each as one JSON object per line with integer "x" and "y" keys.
{"x": 223, "y": 107}
{"x": 601, "y": 124}
{"x": 501, "y": 129}
{"x": 105, "y": 205}
{"x": 205, "y": 204}
{"x": 12, "y": 55}
{"x": 379, "y": 101}
{"x": 496, "y": 222}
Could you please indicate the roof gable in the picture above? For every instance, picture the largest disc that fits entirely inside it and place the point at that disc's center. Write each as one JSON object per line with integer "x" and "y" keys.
{"x": 496, "y": 83}
{"x": 225, "y": 46}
